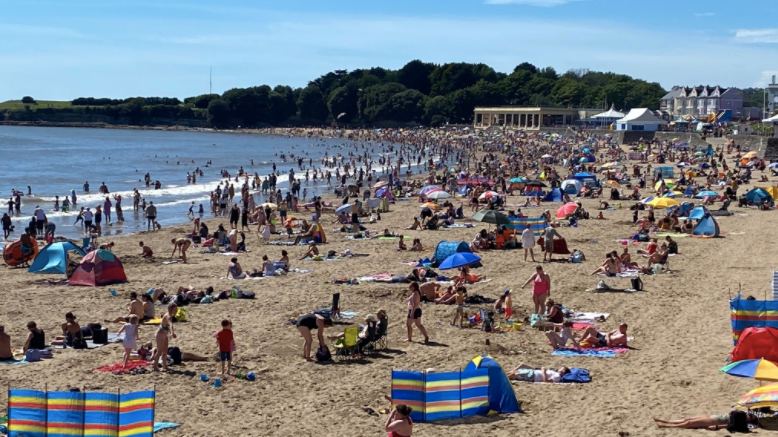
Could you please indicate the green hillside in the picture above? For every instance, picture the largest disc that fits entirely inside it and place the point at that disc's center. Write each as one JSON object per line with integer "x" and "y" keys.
{"x": 18, "y": 105}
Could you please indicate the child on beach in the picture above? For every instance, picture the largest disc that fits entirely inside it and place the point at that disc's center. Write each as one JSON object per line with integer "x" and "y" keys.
{"x": 130, "y": 341}
{"x": 225, "y": 339}
{"x": 460, "y": 313}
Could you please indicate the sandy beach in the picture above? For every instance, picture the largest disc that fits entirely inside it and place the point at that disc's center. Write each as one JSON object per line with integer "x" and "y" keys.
{"x": 680, "y": 325}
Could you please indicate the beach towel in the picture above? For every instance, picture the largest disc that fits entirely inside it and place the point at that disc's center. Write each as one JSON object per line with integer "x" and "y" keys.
{"x": 155, "y": 321}
{"x": 12, "y": 362}
{"x": 460, "y": 225}
{"x": 560, "y": 246}
{"x": 625, "y": 274}
{"x": 112, "y": 338}
{"x": 159, "y": 426}
{"x": 322, "y": 258}
{"x": 300, "y": 271}
{"x": 594, "y": 352}
{"x": 119, "y": 369}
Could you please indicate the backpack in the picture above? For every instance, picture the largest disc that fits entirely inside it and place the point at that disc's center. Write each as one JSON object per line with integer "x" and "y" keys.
{"x": 637, "y": 284}
{"x": 242, "y": 294}
{"x": 323, "y": 354}
{"x": 32, "y": 355}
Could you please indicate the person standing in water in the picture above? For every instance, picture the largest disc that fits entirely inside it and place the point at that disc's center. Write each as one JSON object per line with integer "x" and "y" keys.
{"x": 119, "y": 213}
{"x": 107, "y": 210}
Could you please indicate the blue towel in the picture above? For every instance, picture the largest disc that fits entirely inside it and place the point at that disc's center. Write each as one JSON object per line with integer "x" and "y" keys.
{"x": 583, "y": 353}
{"x": 164, "y": 425}
{"x": 13, "y": 362}
{"x": 577, "y": 375}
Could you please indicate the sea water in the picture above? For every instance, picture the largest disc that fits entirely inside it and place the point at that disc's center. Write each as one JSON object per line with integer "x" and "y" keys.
{"x": 53, "y": 161}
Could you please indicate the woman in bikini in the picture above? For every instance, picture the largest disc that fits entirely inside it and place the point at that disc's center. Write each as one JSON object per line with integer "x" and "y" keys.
{"x": 399, "y": 423}
{"x": 414, "y": 312}
{"x": 735, "y": 421}
{"x": 162, "y": 336}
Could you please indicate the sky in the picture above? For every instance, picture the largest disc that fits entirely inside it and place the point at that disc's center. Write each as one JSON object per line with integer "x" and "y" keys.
{"x": 61, "y": 50}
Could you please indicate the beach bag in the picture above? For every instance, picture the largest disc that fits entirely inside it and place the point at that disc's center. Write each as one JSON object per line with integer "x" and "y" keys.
{"x": 637, "y": 284}
{"x": 245, "y": 294}
{"x": 323, "y": 354}
{"x": 180, "y": 315}
{"x": 32, "y": 355}
{"x": 576, "y": 258}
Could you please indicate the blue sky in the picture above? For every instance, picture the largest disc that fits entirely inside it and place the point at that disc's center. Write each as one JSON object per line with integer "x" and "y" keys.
{"x": 63, "y": 49}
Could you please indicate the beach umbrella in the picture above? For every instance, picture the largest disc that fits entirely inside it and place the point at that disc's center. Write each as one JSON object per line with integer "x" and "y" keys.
{"x": 429, "y": 189}
{"x": 432, "y": 205}
{"x": 683, "y": 164}
{"x": 584, "y": 160}
{"x": 493, "y": 217}
{"x": 459, "y": 259}
{"x": 663, "y": 203}
{"x": 764, "y": 396}
{"x": 546, "y": 156}
{"x": 345, "y": 207}
{"x": 520, "y": 180}
{"x": 773, "y": 165}
{"x": 647, "y": 200}
{"x": 702, "y": 194}
{"x": 566, "y": 210}
{"x": 669, "y": 183}
{"x": 268, "y": 205}
{"x": 489, "y": 195}
{"x": 751, "y": 154}
{"x": 761, "y": 369}
{"x": 435, "y": 195}
{"x": 381, "y": 184}
{"x": 612, "y": 183}
{"x": 536, "y": 184}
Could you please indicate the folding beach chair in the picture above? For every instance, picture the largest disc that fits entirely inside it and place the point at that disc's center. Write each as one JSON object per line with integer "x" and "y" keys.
{"x": 380, "y": 340}
{"x": 347, "y": 346}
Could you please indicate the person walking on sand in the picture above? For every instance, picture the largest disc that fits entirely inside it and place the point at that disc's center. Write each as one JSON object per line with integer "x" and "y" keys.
{"x": 460, "y": 313}
{"x": 130, "y": 341}
{"x": 414, "y": 312}
{"x": 541, "y": 288}
{"x": 548, "y": 242}
{"x": 226, "y": 340}
{"x": 528, "y": 242}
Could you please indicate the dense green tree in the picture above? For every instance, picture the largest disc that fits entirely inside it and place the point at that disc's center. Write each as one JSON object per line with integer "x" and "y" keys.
{"x": 28, "y": 100}
{"x": 250, "y": 105}
{"x": 202, "y": 100}
{"x": 312, "y": 105}
{"x": 415, "y": 75}
{"x": 218, "y": 113}
{"x": 343, "y": 104}
{"x": 372, "y": 101}
{"x": 406, "y": 106}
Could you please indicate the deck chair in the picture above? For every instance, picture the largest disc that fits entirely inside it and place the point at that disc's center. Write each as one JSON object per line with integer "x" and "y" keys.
{"x": 380, "y": 341}
{"x": 347, "y": 346}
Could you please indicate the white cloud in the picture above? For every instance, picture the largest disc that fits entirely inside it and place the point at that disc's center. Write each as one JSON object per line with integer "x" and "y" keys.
{"x": 705, "y": 14}
{"x": 765, "y": 78}
{"x": 756, "y": 36}
{"x": 542, "y": 3}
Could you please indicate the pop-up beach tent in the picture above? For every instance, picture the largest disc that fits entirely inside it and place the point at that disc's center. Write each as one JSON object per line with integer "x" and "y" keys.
{"x": 706, "y": 227}
{"x": 53, "y": 258}
{"x": 444, "y": 249}
{"x": 554, "y": 195}
{"x": 99, "y": 267}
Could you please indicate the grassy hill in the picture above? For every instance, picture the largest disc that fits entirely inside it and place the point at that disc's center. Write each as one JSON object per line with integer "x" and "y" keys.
{"x": 19, "y": 106}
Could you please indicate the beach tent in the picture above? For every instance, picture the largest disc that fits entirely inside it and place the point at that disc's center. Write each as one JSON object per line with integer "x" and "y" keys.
{"x": 572, "y": 186}
{"x": 772, "y": 191}
{"x": 54, "y": 258}
{"x": 318, "y": 234}
{"x": 99, "y": 267}
{"x": 706, "y": 227}
{"x": 756, "y": 342}
{"x": 698, "y": 213}
{"x": 583, "y": 177}
{"x": 502, "y": 399}
{"x": 444, "y": 249}
{"x": 554, "y": 195}
{"x": 758, "y": 195}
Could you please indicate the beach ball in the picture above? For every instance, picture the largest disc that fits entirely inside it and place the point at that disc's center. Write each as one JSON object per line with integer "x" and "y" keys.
{"x": 251, "y": 376}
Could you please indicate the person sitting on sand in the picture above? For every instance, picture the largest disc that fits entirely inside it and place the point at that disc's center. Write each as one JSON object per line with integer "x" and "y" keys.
{"x": 672, "y": 245}
{"x": 36, "y": 339}
{"x": 268, "y": 268}
{"x": 108, "y": 247}
{"x": 417, "y": 245}
{"x": 559, "y": 340}
{"x": 429, "y": 291}
{"x": 135, "y": 307}
{"x": 235, "y": 271}
{"x": 735, "y": 421}
{"x": 313, "y": 250}
{"x": 284, "y": 260}
{"x": 6, "y": 354}
{"x": 416, "y": 226}
{"x": 595, "y": 338}
{"x": 401, "y": 243}
{"x": 525, "y": 372}
{"x": 449, "y": 296}
{"x": 180, "y": 244}
{"x": 74, "y": 334}
{"x": 309, "y": 233}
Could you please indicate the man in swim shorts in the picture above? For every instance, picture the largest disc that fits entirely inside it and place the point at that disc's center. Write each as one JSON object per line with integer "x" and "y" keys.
{"x": 617, "y": 338}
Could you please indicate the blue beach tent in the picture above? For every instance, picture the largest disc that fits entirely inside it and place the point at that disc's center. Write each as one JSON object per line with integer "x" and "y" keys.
{"x": 698, "y": 213}
{"x": 707, "y": 227}
{"x": 554, "y": 195}
{"x": 52, "y": 259}
{"x": 502, "y": 399}
{"x": 445, "y": 249}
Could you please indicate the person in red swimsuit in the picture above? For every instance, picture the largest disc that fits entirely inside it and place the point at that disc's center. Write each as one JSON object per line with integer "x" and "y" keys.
{"x": 399, "y": 423}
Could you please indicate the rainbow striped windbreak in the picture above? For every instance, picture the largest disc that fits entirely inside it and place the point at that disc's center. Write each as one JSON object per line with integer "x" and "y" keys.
{"x": 747, "y": 313}
{"x": 444, "y": 395}
{"x": 536, "y": 224}
{"x": 33, "y": 413}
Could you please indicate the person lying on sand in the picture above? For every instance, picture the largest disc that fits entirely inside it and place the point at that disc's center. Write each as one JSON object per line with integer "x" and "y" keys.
{"x": 465, "y": 277}
{"x": 735, "y": 421}
{"x": 525, "y": 372}
{"x": 174, "y": 354}
{"x": 135, "y": 307}
{"x": 617, "y": 338}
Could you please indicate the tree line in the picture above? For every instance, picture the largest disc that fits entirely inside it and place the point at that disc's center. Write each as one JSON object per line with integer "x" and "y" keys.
{"x": 418, "y": 93}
